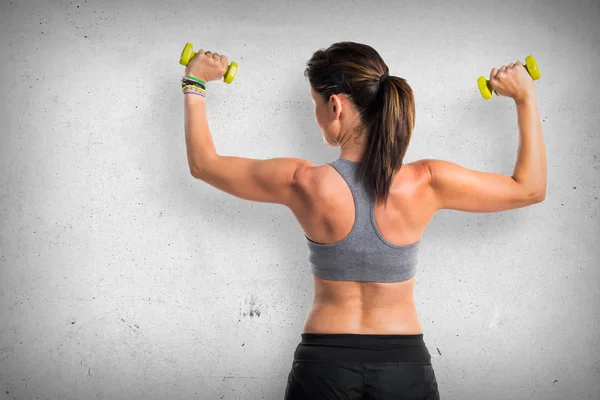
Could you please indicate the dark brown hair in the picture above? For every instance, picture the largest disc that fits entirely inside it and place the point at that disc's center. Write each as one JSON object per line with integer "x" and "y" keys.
{"x": 387, "y": 111}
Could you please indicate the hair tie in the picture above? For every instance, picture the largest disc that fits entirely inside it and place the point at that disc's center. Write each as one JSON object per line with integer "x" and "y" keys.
{"x": 383, "y": 78}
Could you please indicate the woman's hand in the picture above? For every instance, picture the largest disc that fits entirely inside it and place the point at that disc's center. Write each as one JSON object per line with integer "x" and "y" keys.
{"x": 512, "y": 81}
{"x": 207, "y": 66}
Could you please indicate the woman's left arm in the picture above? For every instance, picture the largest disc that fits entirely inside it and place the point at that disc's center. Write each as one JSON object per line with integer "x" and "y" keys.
{"x": 271, "y": 181}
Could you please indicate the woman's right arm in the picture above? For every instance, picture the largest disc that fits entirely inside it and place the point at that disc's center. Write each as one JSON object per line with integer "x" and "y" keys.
{"x": 452, "y": 186}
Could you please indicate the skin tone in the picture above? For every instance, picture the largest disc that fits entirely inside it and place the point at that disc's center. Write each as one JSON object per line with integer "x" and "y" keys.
{"x": 355, "y": 307}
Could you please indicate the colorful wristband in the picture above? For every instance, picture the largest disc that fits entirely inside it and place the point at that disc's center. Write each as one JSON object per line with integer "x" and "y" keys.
{"x": 194, "y": 79}
{"x": 192, "y": 83}
{"x": 194, "y": 92}
{"x": 192, "y": 86}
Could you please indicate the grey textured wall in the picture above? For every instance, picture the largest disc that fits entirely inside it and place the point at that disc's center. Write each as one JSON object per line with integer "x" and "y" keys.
{"x": 123, "y": 277}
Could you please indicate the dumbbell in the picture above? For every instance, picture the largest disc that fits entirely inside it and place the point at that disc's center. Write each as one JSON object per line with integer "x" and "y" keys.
{"x": 188, "y": 53}
{"x": 530, "y": 65}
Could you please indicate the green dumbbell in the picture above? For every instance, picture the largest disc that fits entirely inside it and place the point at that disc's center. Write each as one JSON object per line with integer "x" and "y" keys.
{"x": 530, "y": 65}
{"x": 188, "y": 53}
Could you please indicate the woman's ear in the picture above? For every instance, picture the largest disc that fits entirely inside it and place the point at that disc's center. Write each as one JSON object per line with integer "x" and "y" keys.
{"x": 336, "y": 103}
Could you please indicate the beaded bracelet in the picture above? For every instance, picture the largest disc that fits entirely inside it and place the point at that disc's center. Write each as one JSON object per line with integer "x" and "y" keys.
{"x": 192, "y": 90}
{"x": 193, "y": 87}
{"x": 194, "y": 84}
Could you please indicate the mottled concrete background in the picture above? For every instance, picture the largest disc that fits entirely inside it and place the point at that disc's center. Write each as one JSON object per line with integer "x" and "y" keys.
{"x": 122, "y": 277}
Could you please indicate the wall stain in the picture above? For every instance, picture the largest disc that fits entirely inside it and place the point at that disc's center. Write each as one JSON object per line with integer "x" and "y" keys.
{"x": 135, "y": 328}
{"x": 250, "y": 305}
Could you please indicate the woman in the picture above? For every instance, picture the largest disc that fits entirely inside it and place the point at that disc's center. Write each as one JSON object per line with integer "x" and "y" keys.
{"x": 364, "y": 213}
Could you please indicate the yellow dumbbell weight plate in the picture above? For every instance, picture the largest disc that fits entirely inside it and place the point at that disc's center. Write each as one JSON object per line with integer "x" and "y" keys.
{"x": 231, "y": 71}
{"x": 187, "y": 54}
{"x": 484, "y": 87}
{"x": 532, "y": 68}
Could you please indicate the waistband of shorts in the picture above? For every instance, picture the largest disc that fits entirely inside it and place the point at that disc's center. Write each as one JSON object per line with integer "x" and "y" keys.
{"x": 348, "y": 347}
{"x": 362, "y": 340}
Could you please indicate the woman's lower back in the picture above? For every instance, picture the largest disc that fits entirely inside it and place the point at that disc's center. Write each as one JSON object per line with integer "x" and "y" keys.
{"x": 363, "y": 308}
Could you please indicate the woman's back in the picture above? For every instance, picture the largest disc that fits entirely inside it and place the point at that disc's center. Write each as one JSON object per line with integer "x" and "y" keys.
{"x": 326, "y": 211}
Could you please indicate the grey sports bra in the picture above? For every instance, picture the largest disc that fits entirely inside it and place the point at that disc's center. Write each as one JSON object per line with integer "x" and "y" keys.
{"x": 364, "y": 254}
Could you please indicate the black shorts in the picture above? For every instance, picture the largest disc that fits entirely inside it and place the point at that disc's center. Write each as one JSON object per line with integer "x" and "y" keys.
{"x": 361, "y": 367}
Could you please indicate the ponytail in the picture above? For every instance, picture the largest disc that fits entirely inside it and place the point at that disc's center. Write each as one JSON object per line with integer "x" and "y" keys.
{"x": 393, "y": 119}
